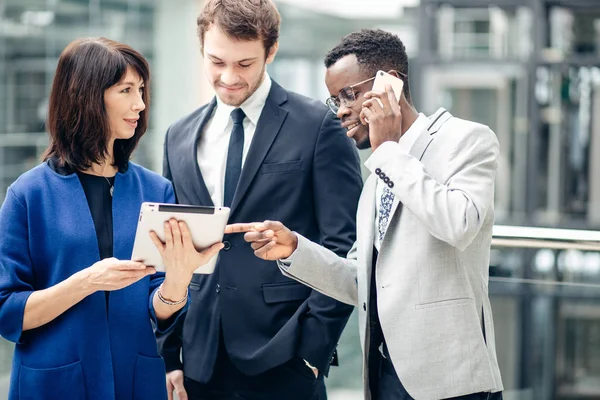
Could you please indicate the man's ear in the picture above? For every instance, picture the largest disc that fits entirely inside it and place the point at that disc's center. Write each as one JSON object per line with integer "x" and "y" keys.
{"x": 272, "y": 52}
{"x": 396, "y": 74}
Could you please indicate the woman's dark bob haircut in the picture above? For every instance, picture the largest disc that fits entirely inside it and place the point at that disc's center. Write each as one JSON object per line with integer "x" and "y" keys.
{"x": 77, "y": 121}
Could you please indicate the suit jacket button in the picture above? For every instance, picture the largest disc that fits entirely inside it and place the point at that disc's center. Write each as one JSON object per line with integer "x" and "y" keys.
{"x": 390, "y": 184}
{"x": 226, "y": 245}
{"x": 365, "y": 306}
{"x": 378, "y": 171}
{"x": 386, "y": 179}
{"x": 218, "y": 288}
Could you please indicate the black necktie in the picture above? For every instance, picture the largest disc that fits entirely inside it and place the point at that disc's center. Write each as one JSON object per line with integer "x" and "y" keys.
{"x": 233, "y": 168}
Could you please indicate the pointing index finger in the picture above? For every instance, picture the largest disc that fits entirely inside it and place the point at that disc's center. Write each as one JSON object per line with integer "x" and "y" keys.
{"x": 240, "y": 227}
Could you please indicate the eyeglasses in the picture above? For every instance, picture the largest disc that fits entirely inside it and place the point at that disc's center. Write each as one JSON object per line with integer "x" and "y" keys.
{"x": 347, "y": 96}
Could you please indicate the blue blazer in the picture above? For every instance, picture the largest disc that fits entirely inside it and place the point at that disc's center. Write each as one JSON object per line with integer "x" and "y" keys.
{"x": 303, "y": 170}
{"x": 86, "y": 353}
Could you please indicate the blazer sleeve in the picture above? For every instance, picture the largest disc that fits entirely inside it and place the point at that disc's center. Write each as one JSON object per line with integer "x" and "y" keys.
{"x": 323, "y": 270}
{"x": 16, "y": 269}
{"x": 337, "y": 184}
{"x": 453, "y": 210}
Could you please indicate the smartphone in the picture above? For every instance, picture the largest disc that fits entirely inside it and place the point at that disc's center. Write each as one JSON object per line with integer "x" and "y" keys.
{"x": 383, "y": 78}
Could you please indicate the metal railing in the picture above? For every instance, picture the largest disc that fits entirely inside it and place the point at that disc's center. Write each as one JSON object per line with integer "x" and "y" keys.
{"x": 545, "y": 290}
{"x": 545, "y": 238}
{"x": 525, "y": 237}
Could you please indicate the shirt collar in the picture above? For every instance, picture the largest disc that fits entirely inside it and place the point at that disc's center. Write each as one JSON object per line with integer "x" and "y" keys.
{"x": 412, "y": 134}
{"x": 253, "y": 105}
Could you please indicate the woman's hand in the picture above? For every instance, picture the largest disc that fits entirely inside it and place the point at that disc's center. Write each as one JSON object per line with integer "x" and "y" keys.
{"x": 45, "y": 305}
{"x": 179, "y": 255}
{"x": 113, "y": 274}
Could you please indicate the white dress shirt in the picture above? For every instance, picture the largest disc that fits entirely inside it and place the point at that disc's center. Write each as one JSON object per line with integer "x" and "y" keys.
{"x": 374, "y": 161}
{"x": 214, "y": 141}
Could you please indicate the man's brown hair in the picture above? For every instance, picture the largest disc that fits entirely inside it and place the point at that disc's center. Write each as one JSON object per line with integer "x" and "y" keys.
{"x": 242, "y": 20}
{"x": 77, "y": 121}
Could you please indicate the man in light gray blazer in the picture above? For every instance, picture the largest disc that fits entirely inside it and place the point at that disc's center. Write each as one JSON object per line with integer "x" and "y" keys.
{"x": 418, "y": 272}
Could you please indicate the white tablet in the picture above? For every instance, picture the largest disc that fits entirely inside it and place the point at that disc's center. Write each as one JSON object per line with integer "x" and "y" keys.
{"x": 206, "y": 225}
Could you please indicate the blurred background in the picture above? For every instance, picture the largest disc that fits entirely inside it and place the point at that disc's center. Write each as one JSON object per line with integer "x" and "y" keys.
{"x": 530, "y": 69}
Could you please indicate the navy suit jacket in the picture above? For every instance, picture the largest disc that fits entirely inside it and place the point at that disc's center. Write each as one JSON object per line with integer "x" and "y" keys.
{"x": 301, "y": 169}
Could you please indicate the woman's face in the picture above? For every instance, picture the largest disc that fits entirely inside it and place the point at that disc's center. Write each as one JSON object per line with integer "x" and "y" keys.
{"x": 123, "y": 103}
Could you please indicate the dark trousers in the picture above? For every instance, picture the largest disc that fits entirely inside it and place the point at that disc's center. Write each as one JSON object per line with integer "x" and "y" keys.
{"x": 385, "y": 385}
{"x": 292, "y": 380}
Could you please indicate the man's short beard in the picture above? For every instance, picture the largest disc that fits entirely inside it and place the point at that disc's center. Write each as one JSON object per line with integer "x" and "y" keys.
{"x": 365, "y": 144}
{"x": 254, "y": 89}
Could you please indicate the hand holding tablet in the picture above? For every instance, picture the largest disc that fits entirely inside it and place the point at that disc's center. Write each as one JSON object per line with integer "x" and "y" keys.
{"x": 179, "y": 255}
{"x": 179, "y": 236}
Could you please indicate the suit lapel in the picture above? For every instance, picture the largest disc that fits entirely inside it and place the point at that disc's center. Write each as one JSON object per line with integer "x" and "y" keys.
{"x": 198, "y": 184}
{"x": 419, "y": 147}
{"x": 417, "y": 151}
{"x": 269, "y": 124}
{"x": 424, "y": 140}
{"x": 365, "y": 225}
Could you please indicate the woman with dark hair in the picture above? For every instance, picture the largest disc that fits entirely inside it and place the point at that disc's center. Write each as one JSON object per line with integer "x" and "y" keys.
{"x": 79, "y": 311}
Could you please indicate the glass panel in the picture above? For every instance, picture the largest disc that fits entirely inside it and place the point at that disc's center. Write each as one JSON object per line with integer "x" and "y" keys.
{"x": 481, "y": 33}
{"x": 575, "y": 32}
{"x": 570, "y": 125}
{"x": 32, "y": 35}
{"x": 547, "y": 322}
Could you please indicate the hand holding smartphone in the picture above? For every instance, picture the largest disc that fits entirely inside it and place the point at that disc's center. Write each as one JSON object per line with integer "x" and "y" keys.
{"x": 383, "y": 78}
{"x": 385, "y": 121}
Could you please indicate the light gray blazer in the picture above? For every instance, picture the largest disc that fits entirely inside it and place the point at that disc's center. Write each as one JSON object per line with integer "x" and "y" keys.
{"x": 433, "y": 266}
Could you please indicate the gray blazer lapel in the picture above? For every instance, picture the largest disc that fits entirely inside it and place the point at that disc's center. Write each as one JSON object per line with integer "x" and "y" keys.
{"x": 419, "y": 147}
{"x": 197, "y": 181}
{"x": 365, "y": 232}
{"x": 417, "y": 150}
{"x": 424, "y": 140}
{"x": 439, "y": 118}
{"x": 270, "y": 122}
{"x": 365, "y": 227}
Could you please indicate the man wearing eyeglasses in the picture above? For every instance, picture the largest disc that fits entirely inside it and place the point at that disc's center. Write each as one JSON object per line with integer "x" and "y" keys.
{"x": 418, "y": 271}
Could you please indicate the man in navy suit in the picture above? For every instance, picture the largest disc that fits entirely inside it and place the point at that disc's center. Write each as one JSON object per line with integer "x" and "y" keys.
{"x": 267, "y": 153}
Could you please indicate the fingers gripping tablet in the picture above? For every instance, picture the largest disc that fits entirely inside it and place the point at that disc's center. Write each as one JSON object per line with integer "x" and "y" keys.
{"x": 206, "y": 226}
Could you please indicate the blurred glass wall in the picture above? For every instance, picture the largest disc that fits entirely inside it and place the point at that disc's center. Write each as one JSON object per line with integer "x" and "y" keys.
{"x": 32, "y": 35}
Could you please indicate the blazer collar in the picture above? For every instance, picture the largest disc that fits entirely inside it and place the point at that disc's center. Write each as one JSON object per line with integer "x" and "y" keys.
{"x": 439, "y": 118}
{"x": 267, "y": 129}
{"x": 365, "y": 228}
